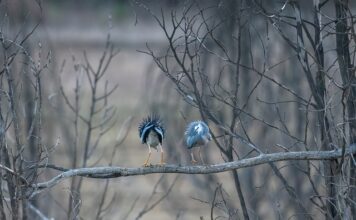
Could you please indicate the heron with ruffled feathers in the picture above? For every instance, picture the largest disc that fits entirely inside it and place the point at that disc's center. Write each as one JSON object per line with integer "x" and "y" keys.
{"x": 151, "y": 132}
{"x": 197, "y": 134}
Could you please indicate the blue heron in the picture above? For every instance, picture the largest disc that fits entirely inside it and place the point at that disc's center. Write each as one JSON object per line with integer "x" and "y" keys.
{"x": 197, "y": 135}
{"x": 151, "y": 132}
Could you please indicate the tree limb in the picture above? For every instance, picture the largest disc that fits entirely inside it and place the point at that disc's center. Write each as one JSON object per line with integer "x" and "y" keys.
{"x": 115, "y": 172}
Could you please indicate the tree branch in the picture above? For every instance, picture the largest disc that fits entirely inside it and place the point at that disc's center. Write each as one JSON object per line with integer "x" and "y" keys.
{"x": 115, "y": 172}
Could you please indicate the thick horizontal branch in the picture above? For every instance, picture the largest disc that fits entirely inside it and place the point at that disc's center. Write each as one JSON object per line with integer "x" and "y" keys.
{"x": 114, "y": 172}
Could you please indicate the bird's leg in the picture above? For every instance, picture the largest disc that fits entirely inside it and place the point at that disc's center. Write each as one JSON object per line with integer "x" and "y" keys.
{"x": 162, "y": 161}
{"x": 192, "y": 155}
{"x": 201, "y": 159}
{"x": 148, "y": 158}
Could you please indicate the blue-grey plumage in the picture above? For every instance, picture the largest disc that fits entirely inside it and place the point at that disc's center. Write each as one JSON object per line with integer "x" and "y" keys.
{"x": 197, "y": 135}
{"x": 151, "y": 132}
{"x": 151, "y": 124}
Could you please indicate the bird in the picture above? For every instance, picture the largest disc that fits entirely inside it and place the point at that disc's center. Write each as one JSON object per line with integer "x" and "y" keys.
{"x": 197, "y": 134}
{"x": 151, "y": 132}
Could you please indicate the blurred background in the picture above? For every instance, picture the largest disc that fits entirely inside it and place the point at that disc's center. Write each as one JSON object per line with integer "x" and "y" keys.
{"x": 272, "y": 94}
{"x": 67, "y": 29}
{"x": 70, "y": 28}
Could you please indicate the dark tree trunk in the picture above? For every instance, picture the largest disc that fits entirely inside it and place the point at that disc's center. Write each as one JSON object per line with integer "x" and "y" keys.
{"x": 349, "y": 80}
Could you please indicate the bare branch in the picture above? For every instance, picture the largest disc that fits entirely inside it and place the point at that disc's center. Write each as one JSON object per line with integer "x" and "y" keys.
{"x": 39, "y": 214}
{"x": 149, "y": 208}
{"x": 115, "y": 172}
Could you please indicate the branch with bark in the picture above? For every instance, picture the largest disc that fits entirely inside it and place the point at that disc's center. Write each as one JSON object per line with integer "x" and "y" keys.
{"x": 115, "y": 172}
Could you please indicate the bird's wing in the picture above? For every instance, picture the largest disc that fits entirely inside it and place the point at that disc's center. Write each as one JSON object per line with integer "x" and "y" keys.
{"x": 160, "y": 132}
{"x": 191, "y": 128}
{"x": 206, "y": 131}
{"x": 192, "y": 134}
{"x": 144, "y": 132}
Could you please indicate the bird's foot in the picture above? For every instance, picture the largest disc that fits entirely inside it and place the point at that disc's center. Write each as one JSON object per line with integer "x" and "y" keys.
{"x": 194, "y": 162}
{"x": 147, "y": 165}
{"x": 161, "y": 163}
